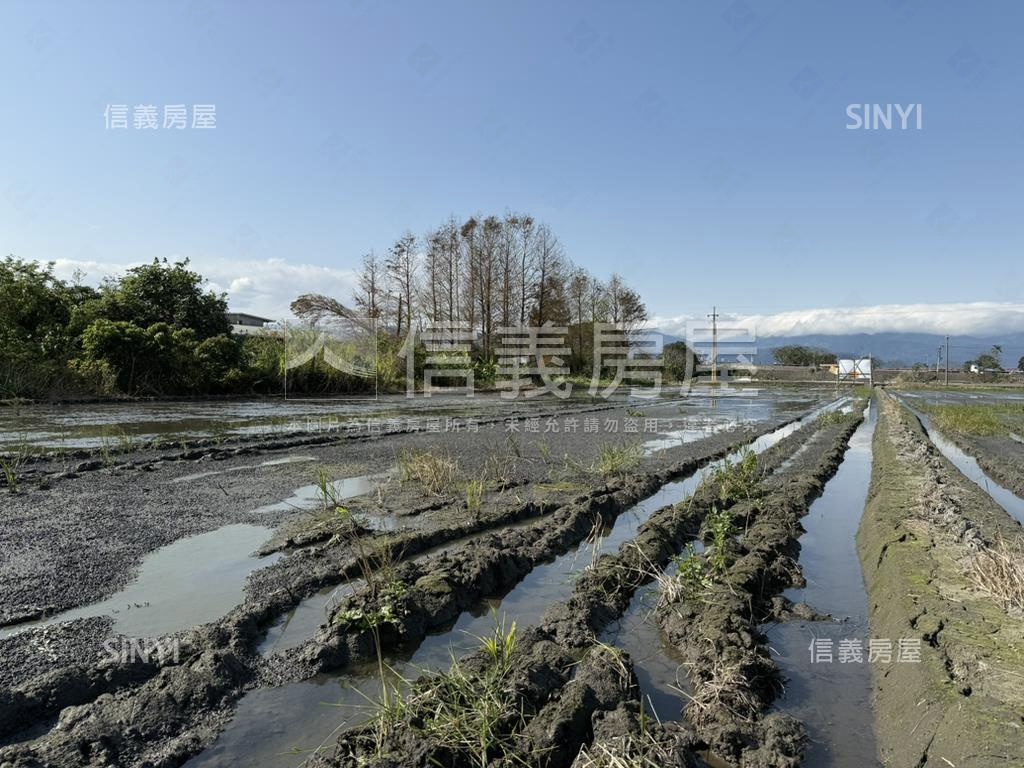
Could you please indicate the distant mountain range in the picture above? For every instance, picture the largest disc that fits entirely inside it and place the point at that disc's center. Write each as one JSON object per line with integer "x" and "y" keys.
{"x": 900, "y": 349}
{"x": 895, "y": 349}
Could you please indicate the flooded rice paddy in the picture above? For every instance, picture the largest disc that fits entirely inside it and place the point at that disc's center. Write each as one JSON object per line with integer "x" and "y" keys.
{"x": 280, "y": 726}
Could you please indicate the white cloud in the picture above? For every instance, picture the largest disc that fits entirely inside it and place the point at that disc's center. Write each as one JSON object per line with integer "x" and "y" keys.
{"x": 267, "y": 286}
{"x": 261, "y": 286}
{"x": 955, "y": 319}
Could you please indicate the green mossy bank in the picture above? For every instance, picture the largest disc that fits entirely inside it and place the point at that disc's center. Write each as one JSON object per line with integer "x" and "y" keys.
{"x": 963, "y": 703}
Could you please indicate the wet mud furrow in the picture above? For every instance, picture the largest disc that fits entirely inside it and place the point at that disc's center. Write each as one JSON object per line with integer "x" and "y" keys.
{"x": 441, "y": 588}
{"x": 568, "y": 683}
{"x": 998, "y": 472}
{"x": 302, "y": 715}
{"x": 81, "y": 541}
{"x": 1000, "y": 455}
{"x": 716, "y": 628}
{"x": 832, "y": 699}
{"x": 270, "y": 593}
{"x": 925, "y": 531}
{"x": 217, "y": 661}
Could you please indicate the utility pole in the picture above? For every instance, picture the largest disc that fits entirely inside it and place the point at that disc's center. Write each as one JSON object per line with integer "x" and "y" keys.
{"x": 947, "y": 360}
{"x": 714, "y": 344}
{"x": 938, "y": 357}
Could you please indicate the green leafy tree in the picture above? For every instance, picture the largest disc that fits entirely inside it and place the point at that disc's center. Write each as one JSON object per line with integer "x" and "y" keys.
{"x": 116, "y": 347}
{"x": 795, "y": 354}
{"x": 678, "y": 358}
{"x": 158, "y": 330}
{"x": 36, "y": 332}
{"x": 34, "y": 308}
{"x": 162, "y": 292}
{"x": 990, "y": 359}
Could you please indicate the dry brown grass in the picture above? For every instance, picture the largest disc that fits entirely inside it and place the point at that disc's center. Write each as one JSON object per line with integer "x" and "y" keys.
{"x": 999, "y": 571}
{"x": 439, "y": 474}
{"x": 624, "y": 752}
{"x": 724, "y": 686}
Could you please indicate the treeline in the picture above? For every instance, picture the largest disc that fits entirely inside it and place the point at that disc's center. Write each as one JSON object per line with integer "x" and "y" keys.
{"x": 159, "y": 330}
{"x": 486, "y": 272}
{"x": 155, "y": 331}
{"x": 795, "y": 354}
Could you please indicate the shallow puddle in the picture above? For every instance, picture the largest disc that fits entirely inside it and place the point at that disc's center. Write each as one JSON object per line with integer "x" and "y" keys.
{"x": 300, "y": 623}
{"x": 676, "y": 437}
{"x": 310, "y": 496}
{"x": 215, "y": 472}
{"x": 280, "y": 726}
{"x": 192, "y": 581}
{"x": 658, "y": 665}
{"x": 832, "y": 698}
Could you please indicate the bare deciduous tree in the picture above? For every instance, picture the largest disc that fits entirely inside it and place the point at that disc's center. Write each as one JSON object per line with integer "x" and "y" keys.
{"x": 402, "y": 269}
{"x": 487, "y": 271}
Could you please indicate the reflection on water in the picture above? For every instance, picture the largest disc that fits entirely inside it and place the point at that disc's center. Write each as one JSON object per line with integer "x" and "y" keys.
{"x": 310, "y": 496}
{"x": 192, "y": 581}
{"x": 659, "y": 667}
{"x": 118, "y": 426}
{"x": 833, "y": 699}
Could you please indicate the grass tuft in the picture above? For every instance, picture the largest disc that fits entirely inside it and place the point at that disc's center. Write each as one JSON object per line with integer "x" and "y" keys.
{"x": 691, "y": 580}
{"x": 617, "y": 459}
{"x": 470, "y": 711}
{"x": 832, "y": 418}
{"x": 623, "y": 752}
{"x": 724, "y": 685}
{"x": 738, "y": 480}
{"x": 438, "y": 473}
{"x": 10, "y": 470}
{"x": 999, "y": 571}
{"x": 720, "y": 525}
{"x": 474, "y": 496}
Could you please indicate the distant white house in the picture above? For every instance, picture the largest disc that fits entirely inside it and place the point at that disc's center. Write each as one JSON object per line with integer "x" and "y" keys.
{"x": 245, "y": 324}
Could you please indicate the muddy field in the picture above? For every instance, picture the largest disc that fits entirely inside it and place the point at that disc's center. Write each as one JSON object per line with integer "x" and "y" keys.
{"x": 549, "y": 584}
{"x": 987, "y": 426}
{"x": 927, "y": 538}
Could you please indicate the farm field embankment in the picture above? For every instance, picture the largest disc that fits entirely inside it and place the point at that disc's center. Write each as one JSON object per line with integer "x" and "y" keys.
{"x": 941, "y": 561}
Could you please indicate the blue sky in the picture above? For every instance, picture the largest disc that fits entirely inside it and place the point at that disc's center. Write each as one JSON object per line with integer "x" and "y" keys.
{"x": 698, "y": 148}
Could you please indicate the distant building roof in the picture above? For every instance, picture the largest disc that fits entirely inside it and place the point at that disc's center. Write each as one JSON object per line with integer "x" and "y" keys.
{"x": 242, "y": 318}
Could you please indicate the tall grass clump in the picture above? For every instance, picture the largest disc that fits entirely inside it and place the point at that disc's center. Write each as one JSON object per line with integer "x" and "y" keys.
{"x": 472, "y": 710}
{"x": 438, "y": 473}
{"x": 738, "y": 480}
{"x": 10, "y": 469}
{"x": 474, "y": 496}
{"x": 999, "y": 571}
{"x": 617, "y": 459}
{"x": 11, "y": 463}
{"x": 377, "y": 561}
